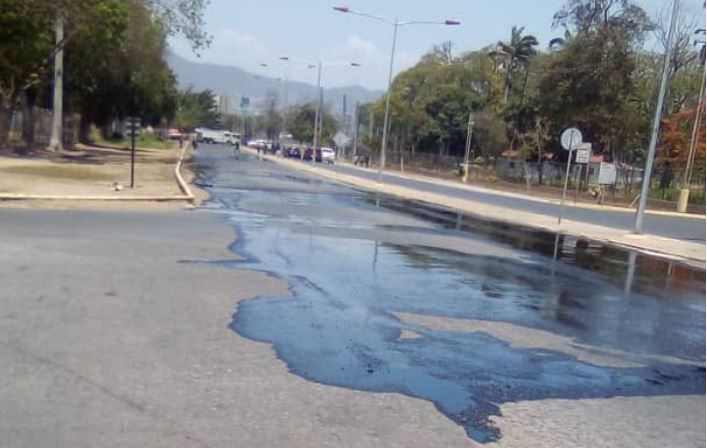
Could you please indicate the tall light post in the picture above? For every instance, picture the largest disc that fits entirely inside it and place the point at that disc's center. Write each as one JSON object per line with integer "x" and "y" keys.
{"x": 638, "y": 224}
{"x": 395, "y": 24}
{"x": 317, "y": 112}
{"x": 687, "y": 176}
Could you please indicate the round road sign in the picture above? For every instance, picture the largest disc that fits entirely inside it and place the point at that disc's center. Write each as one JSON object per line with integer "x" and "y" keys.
{"x": 571, "y": 138}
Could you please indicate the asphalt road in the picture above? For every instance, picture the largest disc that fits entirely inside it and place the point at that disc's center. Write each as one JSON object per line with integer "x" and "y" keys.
{"x": 294, "y": 311}
{"x": 682, "y": 228}
{"x": 392, "y": 296}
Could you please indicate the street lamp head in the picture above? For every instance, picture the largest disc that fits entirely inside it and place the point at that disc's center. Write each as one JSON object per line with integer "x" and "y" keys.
{"x": 263, "y": 65}
{"x": 311, "y": 66}
{"x": 452, "y": 22}
{"x": 342, "y": 8}
{"x": 284, "y": 58}
{"x": 355, "y": 64}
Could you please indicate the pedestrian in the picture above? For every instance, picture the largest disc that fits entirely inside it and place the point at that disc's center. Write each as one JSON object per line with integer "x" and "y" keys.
{"x": 181, "y": 140}
{"x": 666, "y": 178}
{"x": 194, "y": 144}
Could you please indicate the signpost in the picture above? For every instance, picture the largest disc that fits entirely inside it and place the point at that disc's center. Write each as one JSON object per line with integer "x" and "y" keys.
{"x": 133, "y": 126}
{"x": 581, "y": 157}
{"x": 570, "y": 139}
{"x": 584, "y": 151}
{"x": 341, "y": 141}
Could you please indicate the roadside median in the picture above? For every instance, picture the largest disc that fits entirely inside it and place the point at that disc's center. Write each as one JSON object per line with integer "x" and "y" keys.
{"x": 96, "y": 174}
{"x": 678, "y": 250}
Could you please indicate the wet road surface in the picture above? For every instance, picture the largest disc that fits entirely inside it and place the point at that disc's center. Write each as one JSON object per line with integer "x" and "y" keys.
{"x": 367, "y": 275}
{"x": 682, "y": 228}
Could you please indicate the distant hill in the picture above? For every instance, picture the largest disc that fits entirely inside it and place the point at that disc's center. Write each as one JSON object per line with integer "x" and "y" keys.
{"x": 235, "y": 82}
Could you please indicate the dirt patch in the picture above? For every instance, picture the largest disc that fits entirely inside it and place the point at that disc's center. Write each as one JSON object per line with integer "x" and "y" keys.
{"x": 57, "y": 171}
{"x": 90, "y": 171}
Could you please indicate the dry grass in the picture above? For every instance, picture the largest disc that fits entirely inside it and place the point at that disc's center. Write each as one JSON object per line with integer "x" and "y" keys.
{"x": 58, "y": 172}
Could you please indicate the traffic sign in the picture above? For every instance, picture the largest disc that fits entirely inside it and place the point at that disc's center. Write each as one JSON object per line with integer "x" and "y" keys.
{"x": 584, "y": 152}
{"x": 341, "y": 139}
{"x": 571, "y": 138}
{"x": 607, "y": 174}
{"x": 132, "y": 124}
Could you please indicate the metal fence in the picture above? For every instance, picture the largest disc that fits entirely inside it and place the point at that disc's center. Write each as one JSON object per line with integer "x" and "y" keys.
{"x": 665, "y": 181}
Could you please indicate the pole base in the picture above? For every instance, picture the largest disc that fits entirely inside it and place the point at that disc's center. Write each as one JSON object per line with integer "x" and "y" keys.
{"x": 683, "y": 200}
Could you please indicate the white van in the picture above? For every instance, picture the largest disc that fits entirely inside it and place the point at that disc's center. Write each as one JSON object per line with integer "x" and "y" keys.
{"x": 325, "y": 155}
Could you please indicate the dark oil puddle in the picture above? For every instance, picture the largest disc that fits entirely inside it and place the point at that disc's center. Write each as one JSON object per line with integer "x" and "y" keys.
{"x": 341, "y": 327}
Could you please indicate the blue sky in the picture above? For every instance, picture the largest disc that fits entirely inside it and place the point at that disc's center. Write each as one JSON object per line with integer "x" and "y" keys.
{"x": 248, "y": 33}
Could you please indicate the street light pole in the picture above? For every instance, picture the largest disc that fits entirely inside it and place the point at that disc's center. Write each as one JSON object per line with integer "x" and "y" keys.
{"x": 638, "y": 224}
{"x": 320, "y": 95}
{"x": 317, "y": 107}
{"x": 395, "y": 24}
{"x": 355, "y": 144}
{"x": 386, "y": 116}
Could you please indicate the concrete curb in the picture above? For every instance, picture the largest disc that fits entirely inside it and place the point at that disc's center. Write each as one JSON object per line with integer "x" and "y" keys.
{"x": 180, "y": 180}
{"x": 691, "y": 253}
{"x": 188, "y": 196}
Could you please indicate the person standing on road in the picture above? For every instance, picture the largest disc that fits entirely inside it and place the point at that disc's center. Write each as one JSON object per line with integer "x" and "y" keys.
{"x": 194, "y": 144}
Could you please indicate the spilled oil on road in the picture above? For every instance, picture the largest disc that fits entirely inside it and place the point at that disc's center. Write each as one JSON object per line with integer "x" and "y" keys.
{"x": 393, "y": 296}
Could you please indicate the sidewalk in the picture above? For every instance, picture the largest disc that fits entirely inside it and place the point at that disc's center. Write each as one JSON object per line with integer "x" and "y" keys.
{"x": 685, "y": 251}
{"x": 95, "y": 174}
{"x": 528, "y": 197}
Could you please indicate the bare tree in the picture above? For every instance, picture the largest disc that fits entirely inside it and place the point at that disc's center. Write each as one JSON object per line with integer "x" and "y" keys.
{"x": 684, "y": 52}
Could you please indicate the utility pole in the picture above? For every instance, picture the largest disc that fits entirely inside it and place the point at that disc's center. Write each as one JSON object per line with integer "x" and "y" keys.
{"x": 55, "y": 142}
{"x": 343, "y": 114}
{"x": 321, "y": 120}
{"x": 684, "y": 197}
{"x": 370, "y": 125}
{"x": 317, "y": 110}
{"x": 355, "y": 145}
{"x": 469, "y": 130}
{"x": 638, "y": 225}
{"x": 695, "y": 134}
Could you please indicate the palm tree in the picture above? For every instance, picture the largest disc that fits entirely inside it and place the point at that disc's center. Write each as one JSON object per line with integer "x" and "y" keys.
{"x": 514, "y": 54}
{"x": 559, "y": 43}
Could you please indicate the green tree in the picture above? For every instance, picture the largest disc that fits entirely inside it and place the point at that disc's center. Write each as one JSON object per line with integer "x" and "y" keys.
{"x": 300, "y": 123}
{"x": 196, "y": 109}
{"x": 103, "y": 40}
{"x": 591, "y": 81}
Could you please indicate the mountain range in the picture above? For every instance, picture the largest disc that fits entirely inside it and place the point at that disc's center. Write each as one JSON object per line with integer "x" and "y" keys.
{"x": 234, "y": 82}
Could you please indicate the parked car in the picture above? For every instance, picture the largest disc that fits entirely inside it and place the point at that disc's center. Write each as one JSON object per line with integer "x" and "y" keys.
{"x": 174, "y": 134}
{"x": 293, "y": 153}
{"x": 325, "y": 155}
